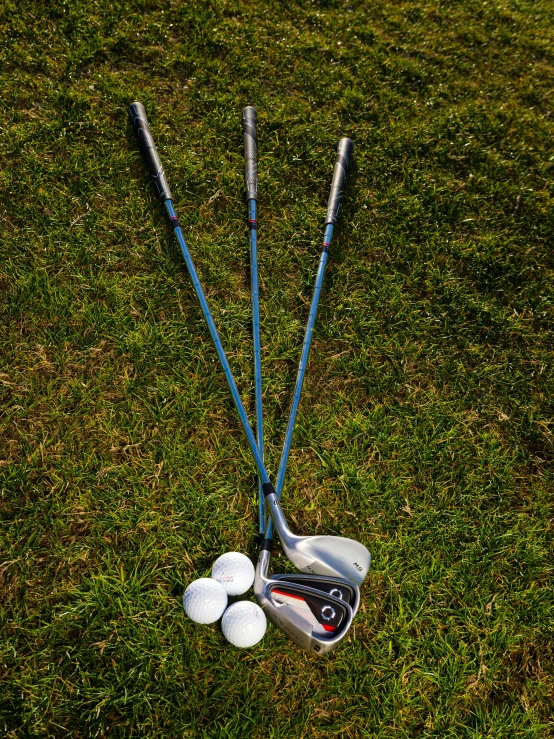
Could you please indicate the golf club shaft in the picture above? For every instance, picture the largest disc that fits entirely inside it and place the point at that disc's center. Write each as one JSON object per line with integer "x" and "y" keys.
{"x": 150, "y": 154}
{"x": 344, "y": 152}
{"x": 257, "y": 351}
{"x": 249, "y": 118}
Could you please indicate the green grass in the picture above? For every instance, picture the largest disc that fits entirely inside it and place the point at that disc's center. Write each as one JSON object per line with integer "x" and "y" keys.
{"x": 426, "y": 425}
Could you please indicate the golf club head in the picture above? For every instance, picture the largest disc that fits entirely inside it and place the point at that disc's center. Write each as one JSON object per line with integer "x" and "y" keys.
{"x": 312, "y": 619}
{"x": 333, "y": 556}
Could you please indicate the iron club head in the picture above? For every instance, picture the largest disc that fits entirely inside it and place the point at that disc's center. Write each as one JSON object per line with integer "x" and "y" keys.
{"x": 334, "y": 556}
{"x": 313, "y": 619}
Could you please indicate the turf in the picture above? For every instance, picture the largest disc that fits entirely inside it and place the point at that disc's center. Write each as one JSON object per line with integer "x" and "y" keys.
{"x": 426, "y": 425}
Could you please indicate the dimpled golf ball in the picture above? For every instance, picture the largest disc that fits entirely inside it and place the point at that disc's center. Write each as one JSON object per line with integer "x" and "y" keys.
{"x": 234, "y": 571}
{"x": 205, "y": 600}
{"x": 244, "y": 624}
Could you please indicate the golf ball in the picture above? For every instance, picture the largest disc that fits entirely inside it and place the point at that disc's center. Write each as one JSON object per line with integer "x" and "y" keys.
{"x": 205, "y": 600}
{"x": 235, "y": 572}
{"x": 244, "y": 624}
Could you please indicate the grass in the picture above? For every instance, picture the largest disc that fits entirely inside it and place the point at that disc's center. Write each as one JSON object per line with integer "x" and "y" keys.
{"x": 426, "y": 422}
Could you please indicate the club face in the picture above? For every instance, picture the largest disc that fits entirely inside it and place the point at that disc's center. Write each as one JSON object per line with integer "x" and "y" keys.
{"x": 335, "y": 586}
{"x": 312, "y": 619}
{"x": 334, "y": 556}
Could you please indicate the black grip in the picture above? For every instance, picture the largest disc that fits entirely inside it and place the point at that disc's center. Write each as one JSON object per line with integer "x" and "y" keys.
{"x": 249, "y": 118}
{"x": 148, "y": 149}
{"x": 344, "y": 152}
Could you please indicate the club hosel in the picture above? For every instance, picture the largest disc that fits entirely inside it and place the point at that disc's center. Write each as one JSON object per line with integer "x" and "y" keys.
{"x": 262, "y": 566}
{"x": 276, "y": 512}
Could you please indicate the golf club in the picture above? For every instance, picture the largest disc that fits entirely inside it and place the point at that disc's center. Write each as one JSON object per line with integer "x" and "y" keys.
{"x": 325, "y": 555}
{"x": 274, "y": 592}
{"x": 249, "y": 118}
{"x": 314, "y": 619}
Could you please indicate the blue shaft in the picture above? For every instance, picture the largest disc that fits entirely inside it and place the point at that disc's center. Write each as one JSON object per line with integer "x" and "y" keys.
{"x": 220, "y": 351}
{"x": 302, "y": 369}
{"x": 252, "y": 223}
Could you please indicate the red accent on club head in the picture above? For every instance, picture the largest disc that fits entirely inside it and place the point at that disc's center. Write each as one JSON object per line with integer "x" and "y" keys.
{"x": 289, "y": 595}
{"x": 328, "y": 627}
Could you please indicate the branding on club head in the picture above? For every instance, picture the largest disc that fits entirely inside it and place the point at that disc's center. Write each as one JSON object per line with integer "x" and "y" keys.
{"x": 287, "y": 630}
{"x": 316, "y": 648}
{"x": 357, "y": 566}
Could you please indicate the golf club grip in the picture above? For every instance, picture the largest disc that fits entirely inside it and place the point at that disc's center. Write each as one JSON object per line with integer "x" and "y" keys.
{"x": 344, "y": 152}
{"x": 148, "y": 149}
{"x": 249, "y": 118}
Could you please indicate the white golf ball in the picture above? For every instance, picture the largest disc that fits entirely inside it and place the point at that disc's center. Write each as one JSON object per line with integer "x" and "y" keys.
{"x": 234, "y": 571}
{"x": 205, "y": 600}
{"x": 244, "y": 624}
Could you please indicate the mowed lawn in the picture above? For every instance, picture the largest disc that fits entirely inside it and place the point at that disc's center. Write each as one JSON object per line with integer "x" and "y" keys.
{"x": 426, "y": 424}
